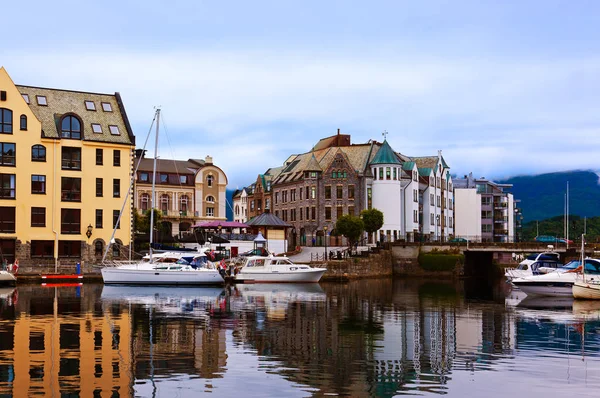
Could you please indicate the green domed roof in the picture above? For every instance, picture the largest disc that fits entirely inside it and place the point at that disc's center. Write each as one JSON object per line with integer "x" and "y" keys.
{"x": 385, "y": 155}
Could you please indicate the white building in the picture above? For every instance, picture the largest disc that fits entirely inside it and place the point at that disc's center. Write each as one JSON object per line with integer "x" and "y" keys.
{"x": 240, "y": 205}
{"x": 484, "y": 210}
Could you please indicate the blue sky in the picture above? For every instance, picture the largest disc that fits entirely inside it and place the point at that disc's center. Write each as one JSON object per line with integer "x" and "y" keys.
{"x": 501, "y": 87}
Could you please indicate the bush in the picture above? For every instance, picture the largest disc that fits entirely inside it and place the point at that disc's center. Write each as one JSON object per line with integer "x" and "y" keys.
{"x": 439, "y": 261}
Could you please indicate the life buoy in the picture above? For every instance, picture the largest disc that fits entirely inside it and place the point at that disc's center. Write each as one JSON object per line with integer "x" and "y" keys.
{"x": 15, "y": 267}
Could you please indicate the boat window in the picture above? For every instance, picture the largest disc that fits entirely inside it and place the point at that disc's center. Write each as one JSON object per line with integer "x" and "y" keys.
{"x": 571, "y": 265}
{"x": 259, "y": 262}
{"x": 284, "y": 262}
{"x": 592, "y": 267}
{"x": 523, "y": 267}
{"x": 183, "y": 261}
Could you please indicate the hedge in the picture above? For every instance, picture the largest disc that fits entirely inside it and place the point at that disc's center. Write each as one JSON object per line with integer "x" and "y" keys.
{"x": 439, "y": 261}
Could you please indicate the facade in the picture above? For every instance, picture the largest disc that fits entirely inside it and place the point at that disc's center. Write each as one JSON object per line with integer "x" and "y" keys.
{"x": 311, "y": 191}
{"x": 240, "y": 205}
{"x": 485, "y": 210}
{"x": 52, "y": 142}
{"x": 186, "y": 191}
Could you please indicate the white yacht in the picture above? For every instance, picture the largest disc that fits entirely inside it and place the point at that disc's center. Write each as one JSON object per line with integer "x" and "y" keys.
{"x": 587, "y": 285}
{"x": 172, "y": 268}
{"x": 535, "y": 264}
{"x": 558, "y": 283}
{"x": 256, "y": 269}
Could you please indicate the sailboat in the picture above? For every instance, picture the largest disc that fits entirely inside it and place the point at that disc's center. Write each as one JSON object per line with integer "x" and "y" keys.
{"x": 196, "y": 270}
{"x": 587, "y": 285}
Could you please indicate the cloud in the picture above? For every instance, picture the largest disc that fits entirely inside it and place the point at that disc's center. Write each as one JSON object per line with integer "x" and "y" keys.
{"x": 251, "y": 109}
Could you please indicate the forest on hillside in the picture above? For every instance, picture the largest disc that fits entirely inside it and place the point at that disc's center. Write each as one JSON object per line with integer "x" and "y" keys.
{"x": 555, "y": 226}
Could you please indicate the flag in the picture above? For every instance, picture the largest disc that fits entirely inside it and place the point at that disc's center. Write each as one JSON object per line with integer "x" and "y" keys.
{"x": 212, "y": 254}
{"x": 222, "y": 264}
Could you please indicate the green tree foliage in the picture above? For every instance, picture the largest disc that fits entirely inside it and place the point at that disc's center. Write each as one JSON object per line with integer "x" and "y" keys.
{"x": 351, "y": 227}
{"x": 555, "y": 227}
{"x": 373, "y": 220}
{"x": 141, "y": 223}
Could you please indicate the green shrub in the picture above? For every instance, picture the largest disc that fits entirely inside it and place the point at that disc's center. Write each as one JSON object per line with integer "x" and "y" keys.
{"x": 439, "y": 261}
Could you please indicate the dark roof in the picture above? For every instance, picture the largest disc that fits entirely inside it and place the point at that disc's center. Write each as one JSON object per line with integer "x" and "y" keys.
{"x": 267, "y": 220}
{"x": 63, "y": 102}
{"x": 169, "y": 166}
{"x": 312, "y": 165}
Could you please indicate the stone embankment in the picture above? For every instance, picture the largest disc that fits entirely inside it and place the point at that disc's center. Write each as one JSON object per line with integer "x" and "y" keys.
{"x": 375, "y": 265}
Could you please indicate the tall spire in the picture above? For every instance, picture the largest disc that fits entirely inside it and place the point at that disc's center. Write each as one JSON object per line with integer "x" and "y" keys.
{"x": 385, "y": 155}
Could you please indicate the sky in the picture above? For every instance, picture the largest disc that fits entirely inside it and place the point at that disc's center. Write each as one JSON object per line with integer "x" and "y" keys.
{"x": 503, "y": 88}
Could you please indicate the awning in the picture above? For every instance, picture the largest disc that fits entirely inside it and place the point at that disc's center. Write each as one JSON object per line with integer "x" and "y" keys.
{"x": 224, "y": 224}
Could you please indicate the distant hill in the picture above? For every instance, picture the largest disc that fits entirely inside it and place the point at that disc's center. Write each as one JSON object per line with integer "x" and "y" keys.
{"x": 543, "y": 196}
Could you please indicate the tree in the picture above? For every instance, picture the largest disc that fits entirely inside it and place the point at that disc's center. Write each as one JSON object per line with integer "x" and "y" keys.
{"x": 373, "y": 220}
{"x": 351, "y": 227}
{"x": 141, "y": 223}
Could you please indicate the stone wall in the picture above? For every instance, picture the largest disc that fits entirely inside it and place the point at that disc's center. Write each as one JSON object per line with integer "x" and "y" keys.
{"x": 373, "y": 266}
{"x": 406, "y": 263}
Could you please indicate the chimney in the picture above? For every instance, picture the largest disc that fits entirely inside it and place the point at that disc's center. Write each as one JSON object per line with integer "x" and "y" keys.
{"x": 338, "y": 131}
{"x": 208, "y": 160}
{"x": 140, "y": 153}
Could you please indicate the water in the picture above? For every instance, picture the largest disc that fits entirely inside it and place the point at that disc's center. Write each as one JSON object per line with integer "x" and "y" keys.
{"x": 379, "y": 338}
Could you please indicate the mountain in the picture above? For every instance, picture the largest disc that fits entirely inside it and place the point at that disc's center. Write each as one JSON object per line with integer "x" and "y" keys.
{"x": 543, "y": 196}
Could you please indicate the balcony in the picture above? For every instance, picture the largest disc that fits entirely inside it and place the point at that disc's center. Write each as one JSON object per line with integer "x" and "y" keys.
{"x": 500, "y": 205}
{"x": 500, "y": 219}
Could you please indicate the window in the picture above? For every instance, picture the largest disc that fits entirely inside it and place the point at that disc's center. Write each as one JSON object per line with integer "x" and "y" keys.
{"x": 340, "y": 212}
{"x": 98, "y": 218}
{"x": 96, "y": 128}
{"x": 26, "y": 98}
{"x": 116, "y": 188}
{"x": 351, "y": 210}
{"x": 98, "y": 248}
{"x": 38, "y": 184}
{"x": 7, "y": 219}
{"x": 415, "y": 195}
{"x": 69, "y": 248}
{"x": 328, "y": 192}
{"x": 116, "y": 157}
{"x": 144, "y": 200}
{"x": 183, "y": 205}
{"x": 210, "y": 199}
{"x": 339, "y": 192}
{"x": 313, "y": 213}
{"x": 5, "y": 121}
{"x": 388, "y": 174}
{"x": 23, "y": 122}
{"x": 369, "y": 198}
{"x": 38, "y": 153}
{"x": 210, "y": 212}
{"x": 432, "y": 199}
{"x": 90, "y": 106}
{"x": 144, "y": 177}
{"x": 7, "y": 154}
{"x": 41, "y": 100}
{"x": 350, "y": 191}
{"x": 99, "y": 185}
{"x": 38, "y": 216}
{"x": 42, "y": 248}
{"x": 328, "y": 213}
{"x": 307, "y": 213}
{"x": 313, "y": 192}
{"x": 116, "y": 248}
{"x": 106, "y": 107}
{"x": 395, "y": 173}
{"x": 7, "y": 186}
{"x": 71, "y": 158}
{"x": 431, "y": 219}
{"x": 164, "y": 178}
{"x": 183, "y": 179}
{"x": 70, "y": 221}
{"x": 70, "y": 127}
{"x": 381, "y": 173}
{"x": 209, "y": 181}
{"x": 99, "y": 156}
{"x": 70, "y": 189}
{"x": 114, "y": 130}
{"x": 116, "y": 221}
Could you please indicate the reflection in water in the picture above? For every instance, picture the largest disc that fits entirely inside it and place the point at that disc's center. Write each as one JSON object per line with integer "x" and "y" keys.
{"x": 366, "y": 338}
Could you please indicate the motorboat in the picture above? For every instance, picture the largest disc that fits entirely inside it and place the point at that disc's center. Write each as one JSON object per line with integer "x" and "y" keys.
{"x": 256, "y": 269}
{"x": 171, "y": 268}
{"x": 535, "y": 264}
{"x": 587, "y": 285}
{"x": 558, "y": 283}
{"x": 7, "y": 278}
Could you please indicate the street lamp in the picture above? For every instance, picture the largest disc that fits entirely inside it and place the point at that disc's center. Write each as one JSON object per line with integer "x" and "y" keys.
{"x": 325, "y": 233}
{"x": 89, "y": 231}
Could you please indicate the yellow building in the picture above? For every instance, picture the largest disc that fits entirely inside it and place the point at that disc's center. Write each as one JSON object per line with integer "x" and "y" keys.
{"x": 65, "y": 169}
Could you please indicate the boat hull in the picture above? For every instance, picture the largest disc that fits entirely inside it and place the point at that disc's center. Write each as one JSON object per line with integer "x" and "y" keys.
{"x": 7, "y": 278}
{"x": 564, "y": 289}
{"x": 308, "y": 276}
{"x": 131, "y": 276}
{"x": 586, "y": 291}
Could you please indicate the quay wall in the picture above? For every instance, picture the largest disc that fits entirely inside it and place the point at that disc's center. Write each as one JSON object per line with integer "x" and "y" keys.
{"x": 373, "y": 266}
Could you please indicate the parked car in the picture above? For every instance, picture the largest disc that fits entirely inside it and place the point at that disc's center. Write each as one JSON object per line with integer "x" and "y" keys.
{"x": 458, "y": 240}
{"x": 546, "y": 239}
{"x": 563, "y": 240}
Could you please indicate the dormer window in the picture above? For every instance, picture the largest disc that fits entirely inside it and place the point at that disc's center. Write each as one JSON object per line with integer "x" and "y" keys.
{"x": 106, "y": 107}
{"x": 96, "y": 128}
{"x": 41, "y": 100}
{"x": 26, "y": 98}
{"x": 114, "y": 130}
{"x": 70, "y": 127}
{"x": 90, "y": 106}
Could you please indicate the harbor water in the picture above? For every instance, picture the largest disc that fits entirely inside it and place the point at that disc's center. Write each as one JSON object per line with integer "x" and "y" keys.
{"x": 369, "y": 338}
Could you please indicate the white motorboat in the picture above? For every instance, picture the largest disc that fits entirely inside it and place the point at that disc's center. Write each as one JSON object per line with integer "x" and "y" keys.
{"x": 587, "y": 285}
{"x": 277, "y": 269}
{"x": 167, "y": 270}
{"x": 535, "y": 264}
{"x": 559, "y": 283}
{"x": 7, "y": 278}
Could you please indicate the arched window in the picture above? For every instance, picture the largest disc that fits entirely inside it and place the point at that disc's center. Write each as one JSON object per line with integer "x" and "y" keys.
{"x": 237, "y": 210}
{"x": 98, "y": 248}
{"x": 38, "y": 153}
{"x": 70, "y": 127}
{"x": 164, "y": 203}
{"x": 5, "y": 121}
{"x": 210, "y": 199}
{"x": 209, "y": 181}
{"x": 23, "y": 122}
{"x": 144, "y": 201}
{"x": 183, "y": 203}
{"x": 116, "y": 248}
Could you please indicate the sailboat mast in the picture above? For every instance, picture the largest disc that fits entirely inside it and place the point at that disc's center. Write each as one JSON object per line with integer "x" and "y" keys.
{"x": 153, "y": 184}
{"x": 567, "y": 236}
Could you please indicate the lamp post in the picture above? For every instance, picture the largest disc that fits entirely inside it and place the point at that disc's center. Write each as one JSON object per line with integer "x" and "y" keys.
{"x": 89, "y": 231}
{"x": 325, "y": 237}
